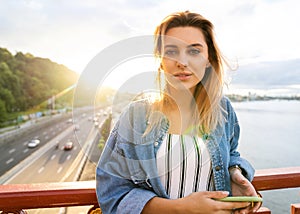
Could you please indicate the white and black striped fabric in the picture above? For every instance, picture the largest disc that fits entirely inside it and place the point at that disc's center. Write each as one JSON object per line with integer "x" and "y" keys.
{"x": 184, "y": 165}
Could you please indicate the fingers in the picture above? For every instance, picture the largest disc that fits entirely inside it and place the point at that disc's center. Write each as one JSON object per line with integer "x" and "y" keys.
{"x": 239, "y": 205}
{"x": 256, "y": 206}
{"x": 232, "y": 205}
{"x": 226, "y": 205}
{"x": 253, "y": 207}
{"x": 217, "y": 194}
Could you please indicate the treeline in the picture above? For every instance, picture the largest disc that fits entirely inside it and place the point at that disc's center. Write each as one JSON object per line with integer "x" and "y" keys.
{"x": 27, "y": 81}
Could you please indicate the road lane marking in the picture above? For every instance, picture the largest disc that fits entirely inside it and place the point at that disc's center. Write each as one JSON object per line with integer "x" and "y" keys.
{"x": 80, "y": 159}
{"x": 9, "y": 161}
{"x": 69, "y": 156}
{"x": 19, "y": 168}
{"x": 59, "y": 169}
{"x": 41, "y": 169}
{"x": 53, "y": 156}
{"x": 11, "y": 151}
{"x": 26, "y": 150}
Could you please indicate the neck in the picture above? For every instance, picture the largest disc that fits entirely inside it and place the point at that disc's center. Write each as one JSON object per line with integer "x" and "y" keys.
{"x": 181, "y": 115}
{"x": 184, "y": 99}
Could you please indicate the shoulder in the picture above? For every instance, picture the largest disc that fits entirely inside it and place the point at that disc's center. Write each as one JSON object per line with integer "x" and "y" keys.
{"x": 134, "y": 114}
{"x": 226, "y": 103}
{"x": 133, "y": 122}
{"x": 227, "y": 108}
{"x": 137, "y": 108}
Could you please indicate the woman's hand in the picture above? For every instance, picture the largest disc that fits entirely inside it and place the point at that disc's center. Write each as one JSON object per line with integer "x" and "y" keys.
{"x": 240, "y": 186}
{"x": 205, "y": 202}
{"x": 195, "y": 203}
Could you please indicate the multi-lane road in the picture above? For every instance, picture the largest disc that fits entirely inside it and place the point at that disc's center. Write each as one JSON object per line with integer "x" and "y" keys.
{"x": 48, "y": 162}
{"x": 16, "y": 150}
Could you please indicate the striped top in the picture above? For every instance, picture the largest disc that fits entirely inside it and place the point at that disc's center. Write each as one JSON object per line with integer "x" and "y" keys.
{"x": 184, "y": 165}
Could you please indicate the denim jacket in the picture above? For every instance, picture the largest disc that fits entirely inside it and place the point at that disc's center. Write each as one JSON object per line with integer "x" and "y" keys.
{"x": 126, "y": 175}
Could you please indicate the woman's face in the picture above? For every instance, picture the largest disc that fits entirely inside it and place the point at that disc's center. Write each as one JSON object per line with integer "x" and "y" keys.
{"x": 184, "y": 57}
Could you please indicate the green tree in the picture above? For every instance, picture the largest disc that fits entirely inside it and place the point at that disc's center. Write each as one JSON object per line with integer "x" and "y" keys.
{"x": 3, "y": 113}
{"x": 8, "y": 99}
{"x": 27, "y": 81}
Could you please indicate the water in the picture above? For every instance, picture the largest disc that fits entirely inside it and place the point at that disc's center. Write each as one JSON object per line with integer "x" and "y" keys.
{"x": 270, "y": 139}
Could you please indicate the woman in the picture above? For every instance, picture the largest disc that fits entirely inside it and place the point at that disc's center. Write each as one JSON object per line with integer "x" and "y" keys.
{"x": 178, "y": 154}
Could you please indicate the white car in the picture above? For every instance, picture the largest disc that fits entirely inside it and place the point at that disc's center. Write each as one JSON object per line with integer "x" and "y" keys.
{"x": 68, "y": 145}
{"x": 33, "y": 143}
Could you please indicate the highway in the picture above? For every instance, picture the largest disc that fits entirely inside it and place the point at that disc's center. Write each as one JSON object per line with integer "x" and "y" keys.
{"x": 47, "y": 162}
{"x": 17, "y": 150}
{"x": 20, "y": 164}
{"x": 55, "y": 162}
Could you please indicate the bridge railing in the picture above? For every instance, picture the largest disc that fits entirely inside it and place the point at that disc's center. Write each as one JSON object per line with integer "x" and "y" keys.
{"x": 16, "y": 198}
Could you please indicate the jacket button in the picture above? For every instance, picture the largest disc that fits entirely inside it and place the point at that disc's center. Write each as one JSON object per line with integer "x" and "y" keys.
{"x": 155, "y": 143}
{"x": 217, "y": 168}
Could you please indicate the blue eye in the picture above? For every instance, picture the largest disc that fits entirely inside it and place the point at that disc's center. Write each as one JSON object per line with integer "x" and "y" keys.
{"x": 194, "y": 51}
{"x": 171, "y": 52}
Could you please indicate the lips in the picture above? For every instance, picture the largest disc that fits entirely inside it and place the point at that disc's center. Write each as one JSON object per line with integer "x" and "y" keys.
{"x": 183, "y": 75}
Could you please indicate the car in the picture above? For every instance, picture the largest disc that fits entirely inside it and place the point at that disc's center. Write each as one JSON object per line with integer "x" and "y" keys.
{"x": 70, "y": 120}
{"x": 33, "y": 143}
{"x": 68, "y": 145}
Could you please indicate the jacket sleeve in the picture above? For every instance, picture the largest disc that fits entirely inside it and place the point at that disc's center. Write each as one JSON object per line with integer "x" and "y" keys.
{"x": 235, "y": 158}
{"x": 119, "y": 195}
{"x": 117, "y": 189}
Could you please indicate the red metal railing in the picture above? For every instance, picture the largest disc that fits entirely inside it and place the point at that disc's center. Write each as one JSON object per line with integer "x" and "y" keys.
{"x": 15, "y": 198}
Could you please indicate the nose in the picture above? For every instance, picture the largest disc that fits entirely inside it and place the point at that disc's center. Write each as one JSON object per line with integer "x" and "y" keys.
{"x": 182, "y": 62}
{"x": 181, "y": 65}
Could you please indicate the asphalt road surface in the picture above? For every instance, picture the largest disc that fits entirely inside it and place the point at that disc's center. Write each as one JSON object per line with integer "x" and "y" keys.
{"x": 47, "y": 162}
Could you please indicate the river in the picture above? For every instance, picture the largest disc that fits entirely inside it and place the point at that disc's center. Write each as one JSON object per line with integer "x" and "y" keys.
{"x": 270, "y": 139}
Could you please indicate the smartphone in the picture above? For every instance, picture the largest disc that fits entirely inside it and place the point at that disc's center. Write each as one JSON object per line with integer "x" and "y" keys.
{"x": 241, "y": 199}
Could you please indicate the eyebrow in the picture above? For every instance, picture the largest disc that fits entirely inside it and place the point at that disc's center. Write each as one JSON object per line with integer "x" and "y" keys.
{"x": 195, "y": 45}
{"x": 191, "y": 45}
{"x": 170, "y": 46}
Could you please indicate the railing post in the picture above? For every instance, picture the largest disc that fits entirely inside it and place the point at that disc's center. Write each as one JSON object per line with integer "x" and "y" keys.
{"x": 295, "y": 208}
{"x": 263, "y": 210}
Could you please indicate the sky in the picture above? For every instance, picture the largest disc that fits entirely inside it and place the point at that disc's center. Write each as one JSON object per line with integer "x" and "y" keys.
{"x": 72, "y": 32}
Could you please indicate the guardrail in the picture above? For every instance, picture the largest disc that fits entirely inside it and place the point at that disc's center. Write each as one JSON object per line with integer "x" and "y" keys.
{"x": 16, "y": 198}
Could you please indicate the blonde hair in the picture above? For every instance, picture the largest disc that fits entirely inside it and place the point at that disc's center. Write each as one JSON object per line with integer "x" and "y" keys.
{"x": 209, "y": 91}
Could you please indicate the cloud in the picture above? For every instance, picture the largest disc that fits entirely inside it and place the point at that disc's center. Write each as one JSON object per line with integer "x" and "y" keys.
{"x": 72, "y": 32}
{"x": 243, "y": 9}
